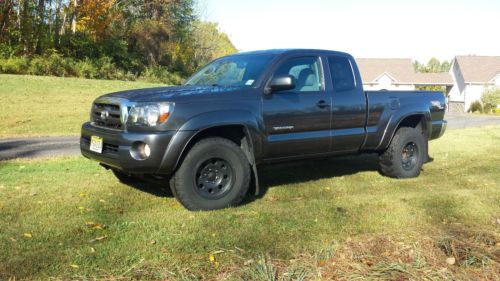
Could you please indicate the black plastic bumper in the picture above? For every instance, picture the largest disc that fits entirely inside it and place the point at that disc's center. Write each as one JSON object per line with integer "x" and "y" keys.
{"x": 116, "y": 150}
{"x": 438, "y": 129}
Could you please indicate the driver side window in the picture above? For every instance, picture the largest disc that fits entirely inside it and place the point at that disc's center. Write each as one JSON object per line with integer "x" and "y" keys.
{"x": 306, "y": 73}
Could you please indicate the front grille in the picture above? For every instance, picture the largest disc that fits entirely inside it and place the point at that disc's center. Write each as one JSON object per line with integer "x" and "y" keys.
{"x": 107, "y": 116}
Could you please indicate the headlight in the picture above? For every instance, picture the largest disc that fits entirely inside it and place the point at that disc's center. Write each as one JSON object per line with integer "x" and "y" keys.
{"x": 150, "y": 114}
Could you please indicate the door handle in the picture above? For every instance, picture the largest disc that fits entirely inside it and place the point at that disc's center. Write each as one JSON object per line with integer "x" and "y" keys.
{"x": 322, "y": 104}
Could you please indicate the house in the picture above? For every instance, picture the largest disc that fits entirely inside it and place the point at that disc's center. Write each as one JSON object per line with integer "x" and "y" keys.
{"x": 387, "y": 74}
{"x": 471, "y": 75}
{"x": 398, "y": 74}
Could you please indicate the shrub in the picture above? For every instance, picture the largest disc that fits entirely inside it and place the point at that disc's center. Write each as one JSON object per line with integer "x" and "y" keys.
{"x": 39, "y": 66}
{"x": 14, "y": 65}
{"x": 58, "y": 66}
{"x": 476, "y": 107}
{"x": 106, "y": 69}
{"x": 491, "y": 98}
{"x": 487, "y": 108}
{"x": 86, "y": 69}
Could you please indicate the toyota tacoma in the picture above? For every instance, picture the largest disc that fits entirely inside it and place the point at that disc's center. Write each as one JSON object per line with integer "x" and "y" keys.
{"x": 208, "y": 137}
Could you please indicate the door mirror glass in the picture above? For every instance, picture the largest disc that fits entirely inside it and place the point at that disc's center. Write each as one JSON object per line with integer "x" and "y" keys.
{"x": 281, "y": 83}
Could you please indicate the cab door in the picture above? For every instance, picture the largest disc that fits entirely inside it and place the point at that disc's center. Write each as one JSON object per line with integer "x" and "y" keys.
{"x": 297, "y": 121}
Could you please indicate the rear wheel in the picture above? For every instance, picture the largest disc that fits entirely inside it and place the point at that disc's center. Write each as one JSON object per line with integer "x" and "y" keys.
{"x": 215, "y": 174}
{"x": 405, "y": 155}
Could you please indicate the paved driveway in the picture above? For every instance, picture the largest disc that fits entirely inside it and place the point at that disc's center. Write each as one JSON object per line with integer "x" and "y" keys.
{"x": 462, "y": 120}
{"x": 39, "y": 147}
{"x": 68, "y": 146}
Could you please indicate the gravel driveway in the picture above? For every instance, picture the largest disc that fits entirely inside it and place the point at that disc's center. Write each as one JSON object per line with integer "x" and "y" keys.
{"x": 68, "y": 146}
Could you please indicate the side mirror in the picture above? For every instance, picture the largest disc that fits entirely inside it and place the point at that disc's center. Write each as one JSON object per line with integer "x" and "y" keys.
{"x": 280, "y": 83}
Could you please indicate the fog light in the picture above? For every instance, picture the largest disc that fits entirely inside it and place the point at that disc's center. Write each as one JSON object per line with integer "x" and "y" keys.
{"x": 140, "y": 151}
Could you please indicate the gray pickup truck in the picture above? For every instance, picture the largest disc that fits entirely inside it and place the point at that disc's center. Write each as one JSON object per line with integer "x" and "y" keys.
{"x": 207, "y": 138}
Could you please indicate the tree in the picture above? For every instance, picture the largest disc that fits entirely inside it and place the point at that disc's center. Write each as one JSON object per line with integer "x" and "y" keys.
{"x": 130, "y": 34}
{"x": 210, "y": 43}
{"x": 491, "y": 98}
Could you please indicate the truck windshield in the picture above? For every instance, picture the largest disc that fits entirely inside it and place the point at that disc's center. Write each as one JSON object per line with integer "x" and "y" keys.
{"x": 242, "y": 70}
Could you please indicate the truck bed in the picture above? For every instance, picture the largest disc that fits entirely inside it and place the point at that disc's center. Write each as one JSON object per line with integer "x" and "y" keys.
{"x": 385, "y": 106}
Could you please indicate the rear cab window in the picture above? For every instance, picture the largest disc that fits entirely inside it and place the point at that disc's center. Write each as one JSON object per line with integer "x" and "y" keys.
{"x": 342, "y": 73}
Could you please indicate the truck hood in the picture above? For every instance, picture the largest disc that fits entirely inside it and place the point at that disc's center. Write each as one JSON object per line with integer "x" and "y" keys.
{"x": 176, "y": 94}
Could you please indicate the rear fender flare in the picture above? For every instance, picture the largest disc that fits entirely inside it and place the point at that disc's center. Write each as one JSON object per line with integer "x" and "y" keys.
{"x": 401, "y": 115}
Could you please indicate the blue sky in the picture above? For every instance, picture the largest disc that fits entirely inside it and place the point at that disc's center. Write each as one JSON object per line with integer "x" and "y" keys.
{"x": 381, "y": 28}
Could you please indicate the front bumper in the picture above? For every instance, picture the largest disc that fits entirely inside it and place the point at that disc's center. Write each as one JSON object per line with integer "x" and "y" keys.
{"x": 116, "y": 150}
{"x": 438, "y": 129}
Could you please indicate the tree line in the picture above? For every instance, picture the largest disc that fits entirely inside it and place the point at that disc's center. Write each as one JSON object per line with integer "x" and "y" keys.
{"x": 111, "y": 39}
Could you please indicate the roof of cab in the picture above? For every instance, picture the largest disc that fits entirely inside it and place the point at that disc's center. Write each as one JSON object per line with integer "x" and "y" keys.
{"x": 291, "y": 51}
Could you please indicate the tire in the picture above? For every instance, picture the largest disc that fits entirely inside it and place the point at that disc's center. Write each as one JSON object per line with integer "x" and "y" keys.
{"x": 125, "y": 178}
{"x": 215, "y": 174}
{"x": 405, "y": 155}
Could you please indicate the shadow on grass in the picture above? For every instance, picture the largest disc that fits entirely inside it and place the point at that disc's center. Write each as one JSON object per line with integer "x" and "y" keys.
{"x": 293, "y": 172}
{"x": 299, "y": 171}
{"x": 459, "y": 237}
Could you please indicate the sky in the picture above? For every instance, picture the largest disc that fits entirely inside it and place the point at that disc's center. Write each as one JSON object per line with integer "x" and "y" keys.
{"x": 418, "y": 29}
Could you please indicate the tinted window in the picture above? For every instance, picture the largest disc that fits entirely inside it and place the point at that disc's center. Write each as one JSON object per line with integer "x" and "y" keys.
{"x": 306, "y": 72}
{"x": 342, "y": 75}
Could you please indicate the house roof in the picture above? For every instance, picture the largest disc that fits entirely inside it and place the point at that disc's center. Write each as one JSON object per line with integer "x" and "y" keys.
{"x": 440, "y": 78}
{"x": 401, "y": 70}
{"x": 478, "y": 69}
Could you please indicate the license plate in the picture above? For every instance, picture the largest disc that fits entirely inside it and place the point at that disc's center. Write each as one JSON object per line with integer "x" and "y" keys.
{"x": 96, "y": 144}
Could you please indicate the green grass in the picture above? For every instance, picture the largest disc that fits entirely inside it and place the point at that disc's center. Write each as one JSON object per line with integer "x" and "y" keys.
{"x": 42, "y": 106}
{"x": 319, "y": 219}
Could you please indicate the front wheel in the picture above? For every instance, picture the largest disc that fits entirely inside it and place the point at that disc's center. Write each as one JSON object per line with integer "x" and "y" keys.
{"x": 405, "y": 155}
{"x": 215, "y": 174}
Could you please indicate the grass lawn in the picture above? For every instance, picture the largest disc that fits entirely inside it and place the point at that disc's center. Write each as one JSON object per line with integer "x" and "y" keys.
{"x": 42, "y": 106}
{"x": 67, "y": 218}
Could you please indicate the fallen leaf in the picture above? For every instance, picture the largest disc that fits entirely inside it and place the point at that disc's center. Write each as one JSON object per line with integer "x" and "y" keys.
{"x": 211, "y": 258}
{"x": 83, "y": 194}
{"x": 102, "y": 201}
{"x": 92, "y": 250}
{"x": 12, "y": 239}
{"x": 21, "y": 167}
{"x": 217, "y": 252}
{"x": 81, "y": 208}
{"x": 248, "y": 262}
{"x": 152, "y": 242}
{"x": 74, "y": 266}
{"x": 450, "y": 260}
{"x": 98, "y": 239}
{"x": 28, "y": 235}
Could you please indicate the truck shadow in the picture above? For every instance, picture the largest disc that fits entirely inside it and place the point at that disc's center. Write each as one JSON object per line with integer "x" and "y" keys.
{"x": 310, "y": 170}
{"x": 293, "y": 172}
